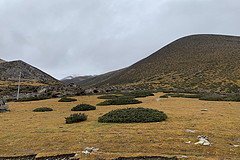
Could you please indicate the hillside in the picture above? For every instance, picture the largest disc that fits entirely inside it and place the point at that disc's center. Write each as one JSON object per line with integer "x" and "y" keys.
{"x": 197, "y": 62}
{"x": 2, "y": 61}
{"x": 9, "y": 71}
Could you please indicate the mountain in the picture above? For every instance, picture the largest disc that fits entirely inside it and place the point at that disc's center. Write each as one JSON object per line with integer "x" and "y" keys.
{"x": 198, "y": 62}
{"x": 75, "y": 79}
{"x": 9, "y": 71}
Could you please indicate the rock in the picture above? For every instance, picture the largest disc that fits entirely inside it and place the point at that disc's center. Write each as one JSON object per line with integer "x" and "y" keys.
{"x": 184, "y": 156}
{"x": 188, "y": 142}
{"x": 88, "y": 150}
{"x": 203, "y": 109}
{"x": 190, "y": 131}
{"x": 3, "y": 107}
{"x": 203, "y": 140}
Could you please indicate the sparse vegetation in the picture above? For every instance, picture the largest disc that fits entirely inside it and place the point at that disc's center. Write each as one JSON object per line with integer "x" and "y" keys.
{"x": 76, "y": 117}
{"x": 83, "y": 107}
{"x": 43, "y": 109}
{"x": 120, "y": 101}
{"x": 109, "y": 96}
{"x": 65, "y": 99}
{"x": 133, "y": 115}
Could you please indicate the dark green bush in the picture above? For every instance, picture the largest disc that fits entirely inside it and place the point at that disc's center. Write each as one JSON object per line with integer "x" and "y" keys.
{"x": 32, "y": 99}
{"x": 133, "y": 115}
{"x": 77, "y": 117}
{"x": 83, "y": 107}
{"x": 177, "y": 95}
{"x": 65, "y": 99}
{"x": 43, "y": 109}
{"x": 119, "y": 101}
{"x": 108, "y": 97}
{"x": 164, "y": 96}
{"x": 139, "y": 94}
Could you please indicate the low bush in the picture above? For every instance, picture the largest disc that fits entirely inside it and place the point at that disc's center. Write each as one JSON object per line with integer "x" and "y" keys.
{"x": 139, "y": 94}
{"x": 77, "y": 117}
{"x": 43, "y": 109}
{"x": 32, "y": 99}
{"x": 65, "y": 99}
{"x": 108, "y": 97}
{"x": 133, "y": 115}
{"x": 83, "y": 107}
{"x": 164, "y": 96}
{"x": 119, "y": 101}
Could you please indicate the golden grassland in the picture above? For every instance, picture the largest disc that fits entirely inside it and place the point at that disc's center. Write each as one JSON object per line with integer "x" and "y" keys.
{"x": 26, "y": 132}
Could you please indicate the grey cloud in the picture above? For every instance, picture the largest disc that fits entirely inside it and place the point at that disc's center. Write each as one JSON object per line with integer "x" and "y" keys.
{"x": 82, "y": 37}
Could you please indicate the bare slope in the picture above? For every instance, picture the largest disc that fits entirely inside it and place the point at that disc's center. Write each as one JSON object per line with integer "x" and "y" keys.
{"x": 200, "y": 62}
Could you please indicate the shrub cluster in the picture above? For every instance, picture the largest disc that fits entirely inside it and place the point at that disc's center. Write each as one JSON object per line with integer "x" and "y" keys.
{"x": 108, "y": 97}
{"x": 83, "y": 107}
{"x": 65, "y": 99}
{"x": 138, "y": 94}
{"x": 133, "y": 115}
{"x": 164, "y": 96}
{"x": 32, "y": 99}
{"x": 77, "y": 117}
{"x": 43, "y": 109}
{"x": 119, "y": 101}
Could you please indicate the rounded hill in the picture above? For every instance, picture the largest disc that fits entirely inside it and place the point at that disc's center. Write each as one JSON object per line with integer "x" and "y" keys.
{"x": 197, "y": 62}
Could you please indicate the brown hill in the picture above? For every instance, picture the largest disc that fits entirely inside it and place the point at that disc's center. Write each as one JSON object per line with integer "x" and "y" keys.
{"x": 9, "y": 71}
{"x": 196, "y": 62}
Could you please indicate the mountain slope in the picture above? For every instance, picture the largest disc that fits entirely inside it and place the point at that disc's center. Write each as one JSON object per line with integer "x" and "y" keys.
{"x": 197, "y": 62}
{"x": 9, "y": 71}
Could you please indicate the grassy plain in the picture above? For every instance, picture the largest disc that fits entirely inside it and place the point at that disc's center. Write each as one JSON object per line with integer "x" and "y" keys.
{"x": 26, "y": 132}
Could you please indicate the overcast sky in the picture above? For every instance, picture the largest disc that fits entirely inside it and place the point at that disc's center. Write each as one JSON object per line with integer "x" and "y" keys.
{"x": 89, "y": 37}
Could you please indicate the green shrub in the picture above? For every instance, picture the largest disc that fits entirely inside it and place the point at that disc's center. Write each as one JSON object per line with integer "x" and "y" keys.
{"x": 43, "y": 109}
{"x": 65, "y": 99}
{"x": 119, "y": 101}
{"x": 77, "y": 117}
{"x": 108, "y": 97}
{"x": 83, "y": 107}
{"x": 164, "y": 96}
{"x": 193, "y": 96}
{"x": 133, "y": 115}
{"x": 32, "y": 99}
{"x": 177, "y": 95}
{"x": 139, "y": 94}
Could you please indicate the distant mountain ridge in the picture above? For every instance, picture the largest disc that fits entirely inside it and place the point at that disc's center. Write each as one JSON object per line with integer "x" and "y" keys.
{"x": 75, "y": 79}
{"x": 197, "y": 62}
{"x": 9, "y": 71}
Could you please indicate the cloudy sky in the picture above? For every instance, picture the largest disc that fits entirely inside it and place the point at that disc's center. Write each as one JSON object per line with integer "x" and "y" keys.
{"x": 89, "y": 37}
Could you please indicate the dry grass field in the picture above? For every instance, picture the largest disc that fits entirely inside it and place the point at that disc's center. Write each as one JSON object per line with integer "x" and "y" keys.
{"x": 26, "y": 132}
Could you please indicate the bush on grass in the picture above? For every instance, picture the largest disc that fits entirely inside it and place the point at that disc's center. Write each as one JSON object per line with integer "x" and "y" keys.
{"x": 76, "y": 117}
{"x": 108, "y": 96}
{"x": 133, "y": 115}
{"x": 83, "y": 107}
{"x": 43, "y": 109}
{"x": 164, "y": 96}
{"x": 139, "y": 94}
{"x": 65, "y": 99}
{"x": 119, "y": 101}
{"x": 32, "y": 99}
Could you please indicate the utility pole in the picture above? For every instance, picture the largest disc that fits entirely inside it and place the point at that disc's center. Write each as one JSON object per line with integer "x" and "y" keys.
{"x": 19, "y": 85}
